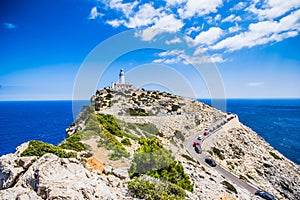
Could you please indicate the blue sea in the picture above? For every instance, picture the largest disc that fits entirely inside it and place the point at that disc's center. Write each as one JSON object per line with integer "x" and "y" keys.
{"x": 276, "y": 120}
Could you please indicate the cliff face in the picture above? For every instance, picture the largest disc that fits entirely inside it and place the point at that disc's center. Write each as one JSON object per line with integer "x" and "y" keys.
{"x": 97, "y": 158}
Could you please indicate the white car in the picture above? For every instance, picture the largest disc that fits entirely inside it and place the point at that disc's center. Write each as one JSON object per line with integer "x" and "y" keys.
{"x": 200, "y": 137}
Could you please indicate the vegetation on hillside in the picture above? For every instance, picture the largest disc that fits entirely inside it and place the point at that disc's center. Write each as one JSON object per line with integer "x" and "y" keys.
{"x": 153, "y": 160}
{"x": 39, "y": 148}
{"x": 145, "y": 188}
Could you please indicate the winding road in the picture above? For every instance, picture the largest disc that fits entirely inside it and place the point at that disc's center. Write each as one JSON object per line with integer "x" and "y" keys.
{"x": 200, "y": 158}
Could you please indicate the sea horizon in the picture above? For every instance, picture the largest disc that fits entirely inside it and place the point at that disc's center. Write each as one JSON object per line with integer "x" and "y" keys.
{"x": 280, "y": 118}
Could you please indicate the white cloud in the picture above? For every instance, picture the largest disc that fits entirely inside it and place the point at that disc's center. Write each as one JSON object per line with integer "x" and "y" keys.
{"x": 217, "y": 17}
{"x": 175, "y": 2}
{"x": 234, "y": 29}
{"x": 116, "y": 22}
{"x": 216, "y": 58}
{"x": 199, "y": 8}
{"x": 94, "y": 13}
{"x": 126, "y": 8}
{"x": 239, "y": 6}
{"x": 273, "y": 8}
{"x": 166, "y": 23}
{"x": 263, "y": 32}
{"x": 232, "y": 18}
{"x": 192, "y": 29}
{"x": 9, "y": 25}
{"x": 144, "y": 16}
{"x": 209, "y": 37}
{"x": 174, "y": 52}
{"x": 255, "y": 84}
{"x": 174, "y": 41}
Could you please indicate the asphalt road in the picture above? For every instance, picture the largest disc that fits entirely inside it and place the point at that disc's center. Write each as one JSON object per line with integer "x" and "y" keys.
{"x": 200, "y": 158}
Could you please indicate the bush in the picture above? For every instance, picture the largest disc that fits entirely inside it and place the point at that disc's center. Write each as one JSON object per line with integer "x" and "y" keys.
{"x": 188, "y": 158}
{"x": 267, "y": 165}
{"x": 109, "y": 141}
{"x": 147, "y": 189}
{"x": 73, "y": 143}
{"x": 39, "y": 148}
{"x": 175, "y": 108}
{"x": 152, "y": 159}
{"x": 275, "y": 155}
{"x": 109, "y": 122}
{"x": 218, "y": 152}
{"x": 179, "y": 135}
{"x": 229, "y": 186}
{"x": 126, "y": 142}
{"x": 137, "y": 112}
{"x": 149, "y": 128}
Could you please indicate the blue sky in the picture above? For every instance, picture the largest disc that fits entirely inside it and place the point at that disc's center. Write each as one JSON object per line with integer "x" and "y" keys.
{"x": 254, "y": 45}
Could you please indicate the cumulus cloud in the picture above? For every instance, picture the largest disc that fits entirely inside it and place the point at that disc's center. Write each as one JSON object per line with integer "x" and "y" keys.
{"x": 166, "y": 23}
{"x": 232, "y": 18}
{"x": 209, "y": 37}
{"x": 174, "y": 41}
{"x": 251, "y": 23}
{"x": 273, "y": 8}
{"x": 199, "y": 8}
{"x": 94, "y": 13}
{"x": 263, "y": 32}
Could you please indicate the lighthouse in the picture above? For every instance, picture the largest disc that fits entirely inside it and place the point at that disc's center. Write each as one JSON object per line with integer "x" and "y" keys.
{"x": 121, "y": 77}
{"x": 121, "y": 85}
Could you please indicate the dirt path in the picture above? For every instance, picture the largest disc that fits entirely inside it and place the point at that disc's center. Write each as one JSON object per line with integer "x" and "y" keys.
{"x": 100, "y": 159}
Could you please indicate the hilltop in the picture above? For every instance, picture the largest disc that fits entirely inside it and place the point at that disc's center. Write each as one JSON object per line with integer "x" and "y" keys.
{"x": 133, "y": 143}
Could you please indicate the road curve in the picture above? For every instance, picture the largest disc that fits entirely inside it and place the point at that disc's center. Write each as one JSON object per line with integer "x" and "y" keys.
{"x": 188, "y": 143}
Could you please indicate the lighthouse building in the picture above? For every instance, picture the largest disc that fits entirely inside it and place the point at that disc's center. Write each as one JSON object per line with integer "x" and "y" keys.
{"x": 122, "y": 85}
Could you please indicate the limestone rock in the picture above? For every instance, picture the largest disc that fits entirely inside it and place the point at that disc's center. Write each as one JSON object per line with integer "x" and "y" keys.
{"x": 121, "y": 173}
{"x": 26, "y": 162}
{"x": 9, "y": 170}
{"x": 62, "y": 178}
{"x": 18, "y": 193}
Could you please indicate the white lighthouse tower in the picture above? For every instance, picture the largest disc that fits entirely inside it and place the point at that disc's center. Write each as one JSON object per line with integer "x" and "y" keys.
{"x": 122, "y": 77}
{"x": 121, "y": 85}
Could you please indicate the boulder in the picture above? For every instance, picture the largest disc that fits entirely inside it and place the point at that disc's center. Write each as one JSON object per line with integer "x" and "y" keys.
{"x": 9, "y": 170}
{"x": 63, "y": 178}
{"x": 121, "y": 173}
{"x": 18, "y": 193}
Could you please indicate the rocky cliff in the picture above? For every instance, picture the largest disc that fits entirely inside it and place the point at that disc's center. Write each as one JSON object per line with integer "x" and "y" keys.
{"x": 125, "y": 131}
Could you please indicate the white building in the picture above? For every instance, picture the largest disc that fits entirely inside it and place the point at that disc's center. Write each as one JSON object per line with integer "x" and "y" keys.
{"x": 122, "y": 85}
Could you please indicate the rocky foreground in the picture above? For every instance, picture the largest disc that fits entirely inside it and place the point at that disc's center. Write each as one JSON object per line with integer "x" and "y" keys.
{"x": 99, "y": 158}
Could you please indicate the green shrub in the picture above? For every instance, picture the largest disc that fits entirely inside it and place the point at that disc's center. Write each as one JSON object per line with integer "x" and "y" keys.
{"x": 148, "y": 128}
{"x": 175, "y": 108}
{"x": 188, "y": 158}
{"x": 126, "y": 142}
{"x": 137, "y": 112}
{"x": 39, "y": 148}
{"x": 275, "y": 155}
{"x": 267, "y": 165}
{"x": 73, "y": 143}
{"x": 109, "y": 141}
{"x": 218, "y": 152}
{"x": 229, "y": 186}
{"x": 179, "y": 135}
{"x": 145, "y": 189}
{"x": 109, "y": 122}
{"x": 152, "y": 159}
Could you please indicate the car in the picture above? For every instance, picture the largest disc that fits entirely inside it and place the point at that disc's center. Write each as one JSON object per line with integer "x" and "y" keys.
{"x": 200, "y": 137}
{"x": 195, "y": 144}
{"x": 198, "y": 149}
{"x": 206, "y": 133}
{"x": 206, "y": 129}
{"x": 210, "y": 161}
{"x": 265, "y": 195}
